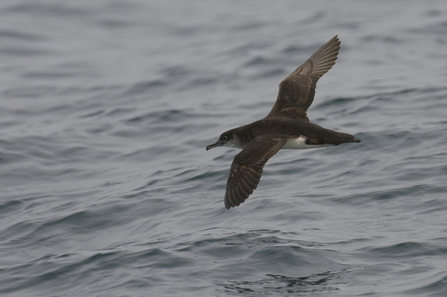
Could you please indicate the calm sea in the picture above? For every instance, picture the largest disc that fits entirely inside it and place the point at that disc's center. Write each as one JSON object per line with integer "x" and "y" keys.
{"x": 106, "y": 188}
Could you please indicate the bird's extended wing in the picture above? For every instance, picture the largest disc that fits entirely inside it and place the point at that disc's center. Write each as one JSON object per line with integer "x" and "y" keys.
{"x": 247, "y": 167}
{"x": 297, "y": 91}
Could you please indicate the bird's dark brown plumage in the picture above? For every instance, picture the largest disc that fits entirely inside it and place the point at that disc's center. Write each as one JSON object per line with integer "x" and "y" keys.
{"x": 247, "y": 167}
{"x": 297, "y": 91}
{"x": 286, "y": 126}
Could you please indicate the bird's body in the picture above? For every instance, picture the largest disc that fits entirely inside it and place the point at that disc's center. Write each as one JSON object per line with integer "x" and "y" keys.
{"x": 285, "y": 127}
{"x": 293, "y": 130}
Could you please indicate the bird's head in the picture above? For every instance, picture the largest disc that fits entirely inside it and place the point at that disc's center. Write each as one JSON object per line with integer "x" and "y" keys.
{"x": 226, "y": 139}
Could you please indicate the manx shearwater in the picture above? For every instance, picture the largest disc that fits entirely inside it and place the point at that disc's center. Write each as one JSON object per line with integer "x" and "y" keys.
{"x": 285, "y": 127}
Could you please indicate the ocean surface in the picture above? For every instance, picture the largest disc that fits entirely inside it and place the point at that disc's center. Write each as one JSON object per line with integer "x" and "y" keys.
{"x": 106, "y": 188}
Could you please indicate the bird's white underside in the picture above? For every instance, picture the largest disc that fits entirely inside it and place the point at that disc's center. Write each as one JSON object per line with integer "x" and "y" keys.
{"x": 300, "y": 143}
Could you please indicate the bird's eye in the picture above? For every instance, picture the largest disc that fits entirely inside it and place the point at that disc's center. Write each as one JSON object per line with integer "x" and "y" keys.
{"x": 224, "y": 137}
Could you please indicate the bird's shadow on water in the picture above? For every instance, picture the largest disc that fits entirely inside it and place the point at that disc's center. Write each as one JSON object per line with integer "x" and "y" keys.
{"x": 275, "y": 284}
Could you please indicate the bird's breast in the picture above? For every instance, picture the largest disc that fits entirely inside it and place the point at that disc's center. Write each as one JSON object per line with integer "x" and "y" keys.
{"x": 300, "y": 143}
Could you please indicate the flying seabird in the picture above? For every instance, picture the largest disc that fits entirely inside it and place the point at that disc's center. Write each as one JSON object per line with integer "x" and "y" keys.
{"x": 285, "y": 127}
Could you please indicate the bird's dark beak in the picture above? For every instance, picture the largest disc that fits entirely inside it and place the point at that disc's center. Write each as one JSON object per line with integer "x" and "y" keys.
{"x": 218, "y": 143}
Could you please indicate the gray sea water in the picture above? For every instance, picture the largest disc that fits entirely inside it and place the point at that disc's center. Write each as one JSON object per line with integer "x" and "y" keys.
{"x": 106, "y": 188}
